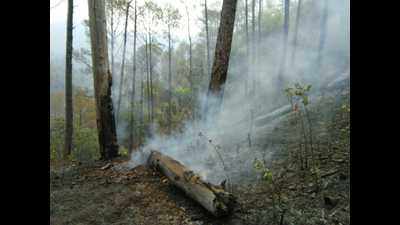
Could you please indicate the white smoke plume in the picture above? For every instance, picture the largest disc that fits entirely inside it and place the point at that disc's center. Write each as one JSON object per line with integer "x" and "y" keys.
{"x": 207, "y": 147}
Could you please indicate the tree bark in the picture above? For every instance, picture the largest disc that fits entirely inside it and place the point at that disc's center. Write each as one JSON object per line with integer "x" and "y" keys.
{"x": 207, "y": 39}
{"x": 259, "y": 19}
{"x": 169, "y": 82}
{"x": 247, "y": 86}
{"x": 221, "y": 58}
{"x": 296, "y": 33}
{"x": 121, "y": 81}
{"x": 151, "y": 79}
{"x": 322, "y": 37}
{"x": 253, "y": 20}
{"x": 285, "y": 38}
{"x": 112, "y": 38}
{"x": 147, "y": 80}
{"x": 212, "y": 197}
{"x": 141, "y": 112}
{"x": 253, "y": 47}
{"x": 258, "y": 49}
{"x": 68, "y": 83}
{"x": 190, "y": 63}
{"x": 102, "y": 81}
{"x": 132, "y": 121}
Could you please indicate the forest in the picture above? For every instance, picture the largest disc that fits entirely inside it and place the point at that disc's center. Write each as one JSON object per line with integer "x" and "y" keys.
{"x": 200, "y": 112}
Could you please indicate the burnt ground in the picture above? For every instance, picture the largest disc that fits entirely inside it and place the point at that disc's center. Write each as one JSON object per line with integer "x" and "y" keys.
{"x": 88, "y": 194}
{"x": 91, "y": 195}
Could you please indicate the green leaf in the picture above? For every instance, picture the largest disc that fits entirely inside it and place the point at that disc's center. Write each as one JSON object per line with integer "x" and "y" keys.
{"x": 305, "y": 100}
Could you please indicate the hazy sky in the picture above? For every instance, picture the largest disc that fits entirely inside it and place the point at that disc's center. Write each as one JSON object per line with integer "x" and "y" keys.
{"x": 58, "y": 17}
{"x": 59, "y": 13}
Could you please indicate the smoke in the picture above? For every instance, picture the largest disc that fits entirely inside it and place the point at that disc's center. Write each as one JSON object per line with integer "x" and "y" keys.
{"x": 226, "y": 145}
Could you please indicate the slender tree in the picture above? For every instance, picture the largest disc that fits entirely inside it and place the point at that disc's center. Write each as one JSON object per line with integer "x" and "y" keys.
{"x": 111, "y": 5}
{"x": 121, "y": 80}
{"x": 253, "y": 21}
{"x": 296, "y": 29}
{"x": 207, "y": 38}
{"x": 172, "y": 17}
{"x": 169, "y": 82}
{"x": 148, "y": 80}
{"x": 221, "y": 58}
{"x": 68, "y": 83}
{"x": 247, "y": 86}
{"x": 102, "y": 80}
{"x": 141, "y": 115}
{"x": 190, "y": 61}
{"x": 253, "y": 46}
{"x": 285, "y": 39}
{"x": 255, "y": 57}
{"x": 131, "y": 117}
{"x": 322, "y": 38}
{"x": 151, "y": 79}
{"x": 152, "y": 16}
{"x": 259, "y": 19}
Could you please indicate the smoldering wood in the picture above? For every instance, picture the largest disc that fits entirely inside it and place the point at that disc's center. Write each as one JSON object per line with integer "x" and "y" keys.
{"x": 212, "y": 197}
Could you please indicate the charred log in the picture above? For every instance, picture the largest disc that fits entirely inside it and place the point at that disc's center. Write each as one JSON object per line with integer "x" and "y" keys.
{"x": 212, "y": 197}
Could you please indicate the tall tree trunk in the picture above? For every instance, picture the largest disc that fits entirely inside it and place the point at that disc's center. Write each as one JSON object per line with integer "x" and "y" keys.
{"x": 322, "y": 37}
{"x": 292, "y": 61}
{"x": 80, "y": 117}
{"x": 247, "y": 82}
{"x": 285, "y": 38}
{"x": 258, "y": 49}
{"x": 102, "y": 81}
{"x": 190, "y": 64}
{"x": 347, "y": 25}
{"x": 147, "y": 80}
{"x": 253, "y": 23}
{"x": 169, "y": 82}
{"x": 112, "y": 38}
{"x": 253, "y": 46}
{"x": 151, "y": 79}
{"x": 68, "y": 83}
{"x": 221, "y": 58}
{"x": 141, "y": 115}
{"x": 132, "y": 122}
{"x": 259, "y": 19}
{"x": 121, "y": 81}
{"x": 207, "y": 39}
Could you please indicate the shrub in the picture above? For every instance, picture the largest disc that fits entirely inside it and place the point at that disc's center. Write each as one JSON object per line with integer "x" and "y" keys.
{"x": 85, "y": 142}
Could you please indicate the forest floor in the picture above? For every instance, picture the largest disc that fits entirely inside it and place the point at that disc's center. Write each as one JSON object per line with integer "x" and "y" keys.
{"x": 93, "y": 194}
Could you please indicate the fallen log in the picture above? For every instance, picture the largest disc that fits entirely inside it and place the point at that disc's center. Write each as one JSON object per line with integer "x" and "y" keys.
{"x": 212, "y": 197}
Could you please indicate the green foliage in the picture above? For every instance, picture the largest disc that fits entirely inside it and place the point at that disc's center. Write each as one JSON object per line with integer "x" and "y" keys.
{"x": 346, "y": 108}
{"x": 182, "y": 91}
{"x": 295, "y": 94}
{"x": 272, "y": 18}
{"x": 265, "y": 172}
{"x": 56, "y": 138}
{"x": 85, "y": 142}
{"x": 123, "y": 151}
{"x": 171, "y": 16}
{"x": 299, "y": 91}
